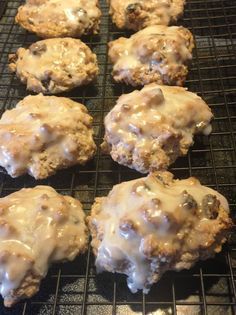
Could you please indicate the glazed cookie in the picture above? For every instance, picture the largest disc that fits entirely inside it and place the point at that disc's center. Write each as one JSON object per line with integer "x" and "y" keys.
{"x": 38, "y": 227}
{"x": 60, "y": 18}
{"x": 138, "y": 14}
{"x": 157, "y": 54}
{"x": 147, "y": 130}
{"x": 150, "y": 225}
{"x": 44, "y": 134}
{"x": 54, "y": 65}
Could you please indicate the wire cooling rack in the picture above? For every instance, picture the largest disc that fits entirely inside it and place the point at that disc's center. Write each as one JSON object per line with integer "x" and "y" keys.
{"x": 208, "y": 288}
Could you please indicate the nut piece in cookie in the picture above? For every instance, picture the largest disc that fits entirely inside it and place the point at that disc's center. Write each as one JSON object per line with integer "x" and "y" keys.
{"x": 38, "y": 227}
{"x": 43, "y": 134}
{"x": 60, "y": 18}
{"x": 138, "y": 14}
{"x": 148, "y": 129}
{"x": 150, "y": 225}
{"x": 54, "y": 65}
{"x": 157, "y": 54}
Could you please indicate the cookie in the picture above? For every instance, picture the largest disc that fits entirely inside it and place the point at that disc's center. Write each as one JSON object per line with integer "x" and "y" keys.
{"x": 38, "y": 227}
{"x": 157, "y": 54}
{"x": 150, "y": 225}
{"x": 54, "y": 65}
{"x": 138, "y": 14}
{"x": 44, "y": 134}
{"x": 148, "y": 130}
{"x": 60, "y": 18}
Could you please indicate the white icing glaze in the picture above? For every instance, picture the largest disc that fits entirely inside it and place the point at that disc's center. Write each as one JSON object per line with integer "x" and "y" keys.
{"x": 37, "y": 227}
{"x": 155, "y": 125}
{"x": 158, "y": 52}
{"x": 144, "y": 227}
{"x": 55, "y": 18}
{"x": 43, "y": 134}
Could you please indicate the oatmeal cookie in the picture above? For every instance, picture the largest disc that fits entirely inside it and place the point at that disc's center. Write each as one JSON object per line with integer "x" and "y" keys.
{"x": 138, "y": 14}
{"x": 38, "y": 227}
{"x": 60, "y": 18}
{"x": 44, "y": 134}
{"x": 54, "y": 65}
{"x": 150, "y": 225}
{"x": 148, "y": 129}
{"x": 157, "y": 54}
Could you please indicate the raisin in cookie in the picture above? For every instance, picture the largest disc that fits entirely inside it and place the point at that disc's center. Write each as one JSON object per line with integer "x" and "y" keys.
{"x": 44, "y": 134}
{"x": 38, "y": 227}
{"x": 147, "y": 226}
{"x": 54, "y": 65}
{"x": 60, "y": 18}
{"x": 138, "y": 14}
{"x": 147, "y": 130}
{"x": 157, "y": 54}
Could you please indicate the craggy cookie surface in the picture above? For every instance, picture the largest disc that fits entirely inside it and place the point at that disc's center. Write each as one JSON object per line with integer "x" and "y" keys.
{"x": 38, "y": 227}
{"x": 148, "y": 129}
{"x": 157, "y": 54}
{"x": 44, "y": 134}
{"x": 150, "y": 225}
{"x": 54, "y": 65}
{"x": 60, "y": 18}
{"x": 137, "y": 14}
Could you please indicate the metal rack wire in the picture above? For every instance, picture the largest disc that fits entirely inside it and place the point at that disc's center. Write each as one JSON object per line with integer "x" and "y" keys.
{"x": 208, "y": 288}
